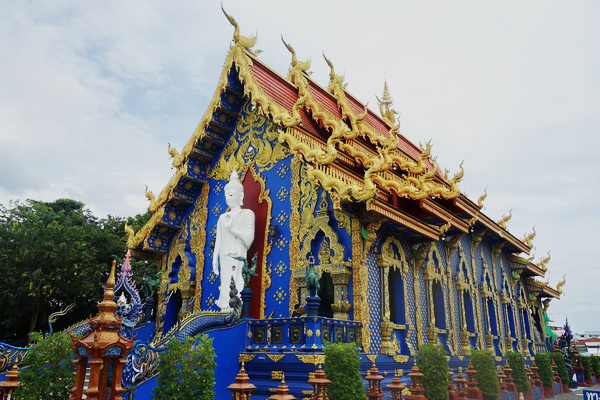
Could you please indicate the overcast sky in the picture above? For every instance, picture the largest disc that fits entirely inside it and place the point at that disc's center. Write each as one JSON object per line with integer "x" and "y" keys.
{"x": 92, "y": 92}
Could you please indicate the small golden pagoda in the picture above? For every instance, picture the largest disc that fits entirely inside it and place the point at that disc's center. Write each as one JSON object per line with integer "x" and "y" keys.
{"x": 103, "y": 351}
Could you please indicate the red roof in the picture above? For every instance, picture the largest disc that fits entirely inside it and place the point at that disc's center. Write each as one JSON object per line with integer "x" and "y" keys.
{"x": 285, "y": 94}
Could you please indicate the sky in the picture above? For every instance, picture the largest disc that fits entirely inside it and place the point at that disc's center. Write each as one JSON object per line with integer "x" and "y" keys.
{"x": 91, "y": 93}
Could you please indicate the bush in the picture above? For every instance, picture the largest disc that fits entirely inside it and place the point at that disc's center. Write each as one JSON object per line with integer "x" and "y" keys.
{"x": 186, "y": 370}
{"x": 595, "y": 361}
{"x": 342, "y": 366}
{"x": 561, "y": 366}
{"x": 487, "y": 380}
{"x": 49, "y": 373}
{"x": 519, "y": 374}
{"x": 431, "y": 360}
{"x": 542, "y": 360}
{"x": 587, "y": 367}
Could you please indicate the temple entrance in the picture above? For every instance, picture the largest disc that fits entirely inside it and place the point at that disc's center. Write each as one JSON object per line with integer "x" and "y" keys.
{"x": 172, "y": 312}
{"x": 254, "y": 201}
{"x": 326, "y": 294}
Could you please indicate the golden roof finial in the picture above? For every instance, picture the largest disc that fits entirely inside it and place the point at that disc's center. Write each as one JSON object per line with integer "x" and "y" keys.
{"x": 561, "y": 284}
{"x": 528, "y": 240}
{"x": 335, "y": 81}
{"x": 505, "y": 219}
{"x": 543, "y": 263}
{"x": 130, "y": 234}
{"x": 238, "y": 39}
{"x": 385, "y": 105}
{"x": 303, "y": 66}
{"x": 108, "y": 305}
{"x": 482, "y": 198}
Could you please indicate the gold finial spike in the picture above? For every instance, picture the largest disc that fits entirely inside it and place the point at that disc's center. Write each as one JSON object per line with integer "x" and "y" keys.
{"x": 386, "y": 98}
{"x": 110, "y": 283}
{"x": 385, "y": 105}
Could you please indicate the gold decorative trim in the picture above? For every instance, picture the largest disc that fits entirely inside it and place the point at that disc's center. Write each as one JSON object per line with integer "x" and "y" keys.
{"x": 198, "y": 240}
{"x": 275, "y": 357}
{"x": 360, "y": 277}
{"x": 315, "y": 359}
{"x": 371, "y": 357}
{"x": 245, "y": 357}
{"x": 294, "y": 229}
{"x": 401, "y": 359}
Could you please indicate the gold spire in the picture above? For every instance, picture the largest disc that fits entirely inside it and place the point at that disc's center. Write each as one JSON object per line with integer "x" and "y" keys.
{"x": 385, "y": 106}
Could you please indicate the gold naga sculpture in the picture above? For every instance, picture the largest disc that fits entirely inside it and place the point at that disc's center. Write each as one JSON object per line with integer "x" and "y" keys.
{"x": 246, "y": 42}
{"x": 528, "y": 239}
{"x": 482, "y": 198}
{"x": 174, "y": 154}
{"x": 561, "y": 284}
{"x": 152, "y": 198}
{"x": 543, "y": 263}
{"x": 504, "y": 220}
{"x": 130, "y": 233}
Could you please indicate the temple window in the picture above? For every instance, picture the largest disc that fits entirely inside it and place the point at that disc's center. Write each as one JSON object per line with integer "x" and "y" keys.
{"x": 396, "y": 297}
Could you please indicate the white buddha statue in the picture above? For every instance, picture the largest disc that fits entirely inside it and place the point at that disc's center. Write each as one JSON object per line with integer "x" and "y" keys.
{"x": 235, "y": 234}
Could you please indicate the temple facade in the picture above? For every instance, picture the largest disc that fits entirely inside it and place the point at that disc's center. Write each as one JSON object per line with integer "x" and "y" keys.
{"x": 402, "y": 256}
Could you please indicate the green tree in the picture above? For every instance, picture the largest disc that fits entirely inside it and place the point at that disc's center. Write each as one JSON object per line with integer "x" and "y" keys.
{"x": 342, "y": 367}
{"x": 431, "y": 360}
{"x": 519, "y": 374}
{"x": 542, "y": 360}
{"x": 587, "y": 367}
{"x": 186, "y": 370}
{"x": 487, "y": 380}
{"x": 50, "y": 372}
{"x": 595, "y": 362}
{"x": 51, "y": 255}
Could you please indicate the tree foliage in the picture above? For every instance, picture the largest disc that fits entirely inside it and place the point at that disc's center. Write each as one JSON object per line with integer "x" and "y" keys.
{"x": 561, "y": 366}
{"x": 49, "y": 372}
{"x": 519, "y": 373}
{"x": 487, "y": 379}
{"x": 595, "y": 363}
{"x": 342, "y": 367}
{"x": 51, "y": 255}
{"x": 542, "y": 360}
{"x": 431, "y": 360}
{"x": 587, "y": 367}
{"x": 186, "y": 370}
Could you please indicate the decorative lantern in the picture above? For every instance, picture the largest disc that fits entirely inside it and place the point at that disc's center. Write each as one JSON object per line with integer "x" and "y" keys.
{"x": 104, "y": 349}
{"x": 461, "y": 385}
{"x": 471, "y": 377}
{"x": 501, "y": 378}
{"x": 8, "y": 387}
{"x": 374, "y": 381}
{"x": 319, "y": 384}
{"x": 450, "y": 383}
{"x": 396, "y": 388}
{"x": 416, "y": 384}
{"x": 242, "y": 388}
{"x": 282, "y": 392}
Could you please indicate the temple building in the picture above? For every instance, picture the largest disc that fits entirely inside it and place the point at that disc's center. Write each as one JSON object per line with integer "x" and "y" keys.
{"x": 401, "y": 257}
